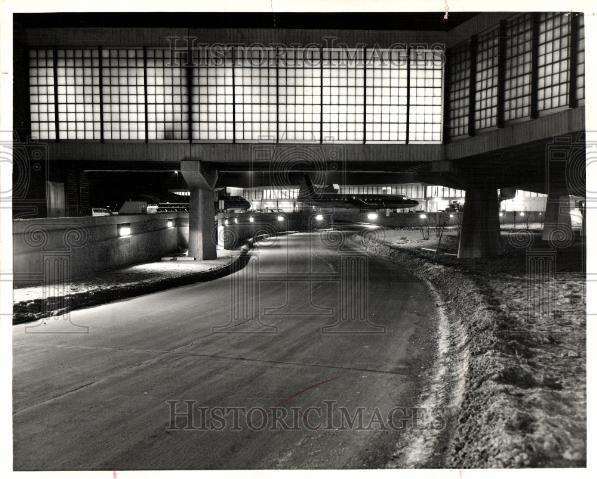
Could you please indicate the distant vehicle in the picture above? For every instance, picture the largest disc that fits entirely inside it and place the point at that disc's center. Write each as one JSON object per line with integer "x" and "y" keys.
{"x": 229, "y": 202}
{"x": 100, "y": 212}
{"x": 131, "y": 207}
{"x": 323, "y": 198}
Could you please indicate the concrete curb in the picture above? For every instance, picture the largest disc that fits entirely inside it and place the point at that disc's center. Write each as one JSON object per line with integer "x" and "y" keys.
{"x": 29, "y": 311}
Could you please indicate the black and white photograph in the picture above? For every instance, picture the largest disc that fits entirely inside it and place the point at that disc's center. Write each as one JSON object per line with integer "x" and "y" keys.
{"x": 276, "y": 236}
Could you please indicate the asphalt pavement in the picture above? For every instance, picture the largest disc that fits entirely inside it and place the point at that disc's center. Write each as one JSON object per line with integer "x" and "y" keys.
{"x": 312, "y": 356}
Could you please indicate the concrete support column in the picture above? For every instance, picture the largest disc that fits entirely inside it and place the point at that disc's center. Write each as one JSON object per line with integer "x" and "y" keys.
{"x": 480, "y": 230}
{"x": 201, "y": 180}
{"x": 557, "y": 214}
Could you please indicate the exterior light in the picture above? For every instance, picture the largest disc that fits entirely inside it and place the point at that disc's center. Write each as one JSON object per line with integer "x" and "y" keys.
{"x": 251, "y": 219}
{"x": 451, "y": 215}
{"x": 319, "y": 217}
{"x": 170, "y": 223}
{"x": 236, "y": 220}
{"x": 372, "y": 216}
{"x": 422, "y": 216}
{"x": 501, "y": 214}
{"x": 522, "y": 213}
{"x": 124, "y": 229}
{"x": 280, "y": 218}
{"x": 226, "y": 222}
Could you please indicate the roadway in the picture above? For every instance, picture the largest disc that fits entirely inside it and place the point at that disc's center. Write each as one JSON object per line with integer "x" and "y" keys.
{"x": 310, "y": 319}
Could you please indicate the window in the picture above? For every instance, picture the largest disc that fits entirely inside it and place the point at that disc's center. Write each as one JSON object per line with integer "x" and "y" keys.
{"x": 41, "y": 94}
{"x": 386, "y": 95}
{"x": 123, "y": 93}
{"x": 426, "y": 71}
{"x": 517, "y": 89}
{"x": 459, "y": 87}
{"x": 343, "y": 95}
{"x": 167, "y": 97}
{"x": 299, "y": 95}
{"x": 553, "y": 60}
{"x": 580, "y": 68}
{"x": 77, "y": 75}
{"x": 213, "y": 98}
{"x": 255, "y": 94}
{"x": 486, "y": 80}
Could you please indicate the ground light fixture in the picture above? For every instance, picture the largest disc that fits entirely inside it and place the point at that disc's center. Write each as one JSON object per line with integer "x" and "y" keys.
{"x": 319, "y": 217}
{"x": 251, "y": 219}
{"x": 280, "y": 218}
{"x": 170, "y": 223}
{"x": 422, "y": 216}
{"x": 124, "y": 229}
{"x": 372, "y": 216}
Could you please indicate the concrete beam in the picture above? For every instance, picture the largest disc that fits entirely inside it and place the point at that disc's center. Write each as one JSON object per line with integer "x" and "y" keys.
{"x": 480, "y": 230}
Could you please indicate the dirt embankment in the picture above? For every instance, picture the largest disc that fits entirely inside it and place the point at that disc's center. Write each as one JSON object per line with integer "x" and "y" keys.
{"x": 523, "y": 403}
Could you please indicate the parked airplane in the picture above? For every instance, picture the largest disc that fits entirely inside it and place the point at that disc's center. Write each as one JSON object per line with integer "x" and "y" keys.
{"x": 323, "y": 198}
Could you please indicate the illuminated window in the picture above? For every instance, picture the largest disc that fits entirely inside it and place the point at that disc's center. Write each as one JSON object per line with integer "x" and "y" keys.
{"x": 486, "y": 80}
{"x": 580, "y": 68}
{"x": 123, "y": 93}
{"x": 553, "y": 66}
{"x": 213, "y": 99}
{"x": 459, "y": 87}
{"x": 77, "y": 75}
{"x": 343, "y": 95}
{"x": 167, "y": 97}
{"x": 299, "y": 95}
{"x": 41, "y": 94}
{"x": 425, "y": 118}
{"x": 517, "y": 90}
{"x": 386, "y": 95}
{"x": 255, "y": 94}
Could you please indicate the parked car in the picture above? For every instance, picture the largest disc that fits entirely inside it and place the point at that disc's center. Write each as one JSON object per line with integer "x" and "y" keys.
{"x": 100, "y": 212}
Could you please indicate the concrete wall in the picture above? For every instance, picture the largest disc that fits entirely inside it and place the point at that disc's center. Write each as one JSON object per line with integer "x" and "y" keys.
{"x": 86, "y": 245}
{"x": 234, "y": 229}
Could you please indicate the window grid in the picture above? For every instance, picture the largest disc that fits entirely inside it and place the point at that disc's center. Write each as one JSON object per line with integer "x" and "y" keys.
{"x": 553, "y": 61}
{"x": 41, "y": 94}
{"x": 386, "y": 95}
{"x": 486, "y": 80}
{"x": 213, "y": 96}
{"x": 580, "y": 67}
{"x": 167, "y": 95}
{"x": 123, "y": 93}
{"x": 78, "y": 87}
{"x": 255, "y": 94}
{"x": 425, "y": 113}
{"x": 343, "y": 95}
{"x": 299, "y": 95}
{"x": 459, "y": 88}
{"x": 517, "y": 89}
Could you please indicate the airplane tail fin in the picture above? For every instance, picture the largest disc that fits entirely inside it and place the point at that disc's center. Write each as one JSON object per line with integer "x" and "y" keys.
{"x": 306, "y": 190}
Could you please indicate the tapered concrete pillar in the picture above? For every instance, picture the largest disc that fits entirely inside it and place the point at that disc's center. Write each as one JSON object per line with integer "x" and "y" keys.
{"x": 201, "y": 180}
{"x": 480, "y": 230}
{"x": 557, "y": 214}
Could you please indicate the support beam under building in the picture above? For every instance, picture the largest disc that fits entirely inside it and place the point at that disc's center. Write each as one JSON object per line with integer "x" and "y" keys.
{"x": 201, "y": 180}
{"x": 480, "y": 231}
{"x": 557, "y": 216}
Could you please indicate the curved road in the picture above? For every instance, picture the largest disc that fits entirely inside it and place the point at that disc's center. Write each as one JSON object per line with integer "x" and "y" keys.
{"x": 274, "y": 362}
